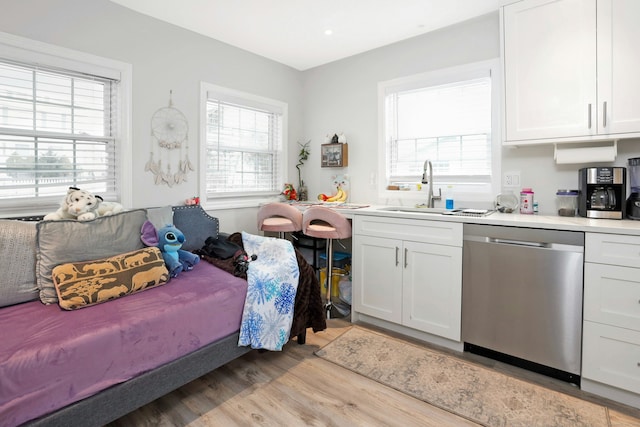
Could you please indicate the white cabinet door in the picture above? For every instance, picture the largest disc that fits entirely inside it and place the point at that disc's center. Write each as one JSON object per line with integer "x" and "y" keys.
{"x": 612, "y": 295}
{"x": 618, "y": 65}
{"x": 550, "y": 69}
{"x": 611, "y": 327}
{"x": 614, "y": 249}
{"x": 412, "y": 275}
{"x": 432, "y": 288}
{"x": 377, "y": 277}
{"x": 611, "y": 356}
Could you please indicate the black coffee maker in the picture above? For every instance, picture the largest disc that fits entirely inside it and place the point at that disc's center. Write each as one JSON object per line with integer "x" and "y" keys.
{"x": 633, "y": 202}
{"x": 602, "y": 192}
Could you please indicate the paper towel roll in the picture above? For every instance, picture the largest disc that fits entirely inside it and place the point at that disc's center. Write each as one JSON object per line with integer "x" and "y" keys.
{"x": 586, "y": 154}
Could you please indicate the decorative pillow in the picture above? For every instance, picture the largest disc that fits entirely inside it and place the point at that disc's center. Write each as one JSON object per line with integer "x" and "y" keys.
{"x": 61, "y": 242}
{"x": 17, "y": 262}
{"x": 87, "y": 283}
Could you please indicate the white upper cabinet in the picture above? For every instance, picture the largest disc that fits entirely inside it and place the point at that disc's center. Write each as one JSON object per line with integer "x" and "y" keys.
{"x": 618, "y": 66}
{"x": 569, "y": 70}
{"x": 550, "y": 69}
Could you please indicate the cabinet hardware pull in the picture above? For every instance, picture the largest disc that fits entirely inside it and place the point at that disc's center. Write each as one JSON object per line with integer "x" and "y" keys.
{"x": 397, "y": 261}
{"x": 604, "y": 114}
{"x": 589, "y": 114}
{"x": 406, "y": 251}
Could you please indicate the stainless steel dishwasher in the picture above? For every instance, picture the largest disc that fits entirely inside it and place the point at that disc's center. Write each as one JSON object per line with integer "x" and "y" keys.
{"x": 522, "y": 297}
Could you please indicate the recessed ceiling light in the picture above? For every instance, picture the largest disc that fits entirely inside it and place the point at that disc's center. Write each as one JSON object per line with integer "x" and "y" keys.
{"x": 328, "y": 32}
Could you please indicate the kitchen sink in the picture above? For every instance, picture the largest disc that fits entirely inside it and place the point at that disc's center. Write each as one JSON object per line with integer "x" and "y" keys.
{"x": 424, "y": 210}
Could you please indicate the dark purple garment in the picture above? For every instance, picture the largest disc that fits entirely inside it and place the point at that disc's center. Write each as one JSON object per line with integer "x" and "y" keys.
{"x": 50, "y": 358}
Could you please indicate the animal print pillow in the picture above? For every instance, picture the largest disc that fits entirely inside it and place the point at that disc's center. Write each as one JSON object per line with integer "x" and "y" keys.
{"x": 91, "y": 282}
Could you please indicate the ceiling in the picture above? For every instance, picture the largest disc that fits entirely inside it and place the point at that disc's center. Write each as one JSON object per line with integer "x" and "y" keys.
{"x": 293, "y": 32}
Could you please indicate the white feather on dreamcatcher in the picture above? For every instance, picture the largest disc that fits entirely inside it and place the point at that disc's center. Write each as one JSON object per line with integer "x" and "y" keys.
{"x": 169, "y": 132}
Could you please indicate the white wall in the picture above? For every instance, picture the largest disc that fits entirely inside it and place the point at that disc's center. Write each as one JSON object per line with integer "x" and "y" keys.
{"x": 163, "y": 57}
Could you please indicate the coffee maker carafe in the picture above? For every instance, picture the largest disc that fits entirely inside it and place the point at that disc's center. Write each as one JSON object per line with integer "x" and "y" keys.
{"x": 602, "y": 192}
{"x": 633, "y": 202}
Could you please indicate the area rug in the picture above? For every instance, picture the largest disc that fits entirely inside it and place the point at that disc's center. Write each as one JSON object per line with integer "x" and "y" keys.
{"x": 471, "y": 391}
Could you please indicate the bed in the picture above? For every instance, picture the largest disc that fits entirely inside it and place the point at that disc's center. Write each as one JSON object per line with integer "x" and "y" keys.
{"x": 91, "y": 366}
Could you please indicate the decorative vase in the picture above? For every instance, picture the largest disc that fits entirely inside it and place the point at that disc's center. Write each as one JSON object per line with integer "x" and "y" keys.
{"x": 303, "y": 193}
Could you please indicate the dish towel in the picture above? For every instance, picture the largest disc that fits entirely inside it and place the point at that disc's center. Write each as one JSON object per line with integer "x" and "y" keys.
{"x": 272, "y": 284}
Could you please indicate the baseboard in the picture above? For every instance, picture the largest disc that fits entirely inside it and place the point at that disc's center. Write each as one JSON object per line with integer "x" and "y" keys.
{"x": 409, "y": 332}
{"x": 612, "y": 393}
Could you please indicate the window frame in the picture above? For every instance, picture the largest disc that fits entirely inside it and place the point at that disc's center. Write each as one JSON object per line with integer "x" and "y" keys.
{"x": 20, "y": 49}
{"x": 249, "y": 199}
{"x": 464, "y": 191}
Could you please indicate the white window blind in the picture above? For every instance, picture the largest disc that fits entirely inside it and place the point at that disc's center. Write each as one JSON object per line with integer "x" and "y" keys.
{"x": 244, "y": 141}
{"x": 449, "y": 124}
{"x": 57, "y": 129}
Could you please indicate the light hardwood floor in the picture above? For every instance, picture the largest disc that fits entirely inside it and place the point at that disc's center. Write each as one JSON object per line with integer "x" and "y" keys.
{"x": 294, "y": 387}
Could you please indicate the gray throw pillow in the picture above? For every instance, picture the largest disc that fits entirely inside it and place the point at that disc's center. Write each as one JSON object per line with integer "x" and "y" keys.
{"x": 61, "y": 242}
{"x": 161, "y": 216}
{"x": 17, "y": 262}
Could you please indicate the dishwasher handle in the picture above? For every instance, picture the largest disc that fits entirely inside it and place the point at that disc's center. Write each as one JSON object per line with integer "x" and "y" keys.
{"x": 518, "y": 242}
{"x": 526, "y": 243}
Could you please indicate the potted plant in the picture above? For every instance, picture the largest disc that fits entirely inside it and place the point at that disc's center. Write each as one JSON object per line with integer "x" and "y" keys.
{"x": 303, "y": 155}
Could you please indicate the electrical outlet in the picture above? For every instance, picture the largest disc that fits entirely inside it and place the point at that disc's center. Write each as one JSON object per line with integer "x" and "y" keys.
{"x": 511, "y": 179}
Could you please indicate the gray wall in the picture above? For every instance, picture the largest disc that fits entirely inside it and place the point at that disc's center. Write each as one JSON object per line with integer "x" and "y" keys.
{"x": 342, "y": 96}
{"x": 164, "y": 57}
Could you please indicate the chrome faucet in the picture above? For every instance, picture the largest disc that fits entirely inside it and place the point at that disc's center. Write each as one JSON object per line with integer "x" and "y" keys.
{"x": 427, "y": 178}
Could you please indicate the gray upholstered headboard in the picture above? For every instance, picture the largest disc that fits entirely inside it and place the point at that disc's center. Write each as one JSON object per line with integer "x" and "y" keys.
{"x": 193, "y": 221}
{"x": 196, "y": 224}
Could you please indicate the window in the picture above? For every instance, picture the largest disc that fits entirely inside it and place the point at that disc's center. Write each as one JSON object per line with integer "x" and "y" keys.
{"x": 447, "y": 117}
{"x": 243, "y": 148}
{"x": 59, "y": 127}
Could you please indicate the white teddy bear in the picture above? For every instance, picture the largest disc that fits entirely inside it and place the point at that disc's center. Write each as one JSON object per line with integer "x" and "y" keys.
{"x": 83, "y": 206}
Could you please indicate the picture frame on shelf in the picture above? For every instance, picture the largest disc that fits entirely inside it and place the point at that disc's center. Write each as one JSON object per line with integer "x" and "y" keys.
{"x": 334, "y": 155}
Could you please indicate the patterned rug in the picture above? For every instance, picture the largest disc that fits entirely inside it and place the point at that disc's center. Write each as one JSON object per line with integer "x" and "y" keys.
{"x": 471, "y": 391}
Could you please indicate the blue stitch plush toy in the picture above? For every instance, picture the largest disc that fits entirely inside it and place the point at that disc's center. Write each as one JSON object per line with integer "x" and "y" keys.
{"x": 169, "y": 240}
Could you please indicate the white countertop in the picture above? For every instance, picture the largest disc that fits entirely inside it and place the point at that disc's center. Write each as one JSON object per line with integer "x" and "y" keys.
{"x": 613, "y": 226}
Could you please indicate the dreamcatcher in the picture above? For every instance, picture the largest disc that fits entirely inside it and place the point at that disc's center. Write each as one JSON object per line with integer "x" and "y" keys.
{"x": 170, "y": 129}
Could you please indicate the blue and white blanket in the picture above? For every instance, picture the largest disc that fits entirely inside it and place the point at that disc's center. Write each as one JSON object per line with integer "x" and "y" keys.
{"x": 272, "y": 284}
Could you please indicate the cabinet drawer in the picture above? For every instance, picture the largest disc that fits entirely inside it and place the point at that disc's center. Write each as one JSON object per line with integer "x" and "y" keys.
{"x": 612, "y": 295}
{"x": 426, "y": 231}
{"x": 611, "y": 356}
{"x": 612, "y": 249}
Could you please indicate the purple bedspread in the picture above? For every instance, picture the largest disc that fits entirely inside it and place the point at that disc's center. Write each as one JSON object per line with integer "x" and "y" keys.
{"x": 50, "y": 358}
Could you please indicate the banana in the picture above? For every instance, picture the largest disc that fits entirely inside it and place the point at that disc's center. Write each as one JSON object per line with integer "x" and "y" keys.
{"x": 343, "y": 196}
{"x": 339, "y": 195}
{"x": 332, "y": 198}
